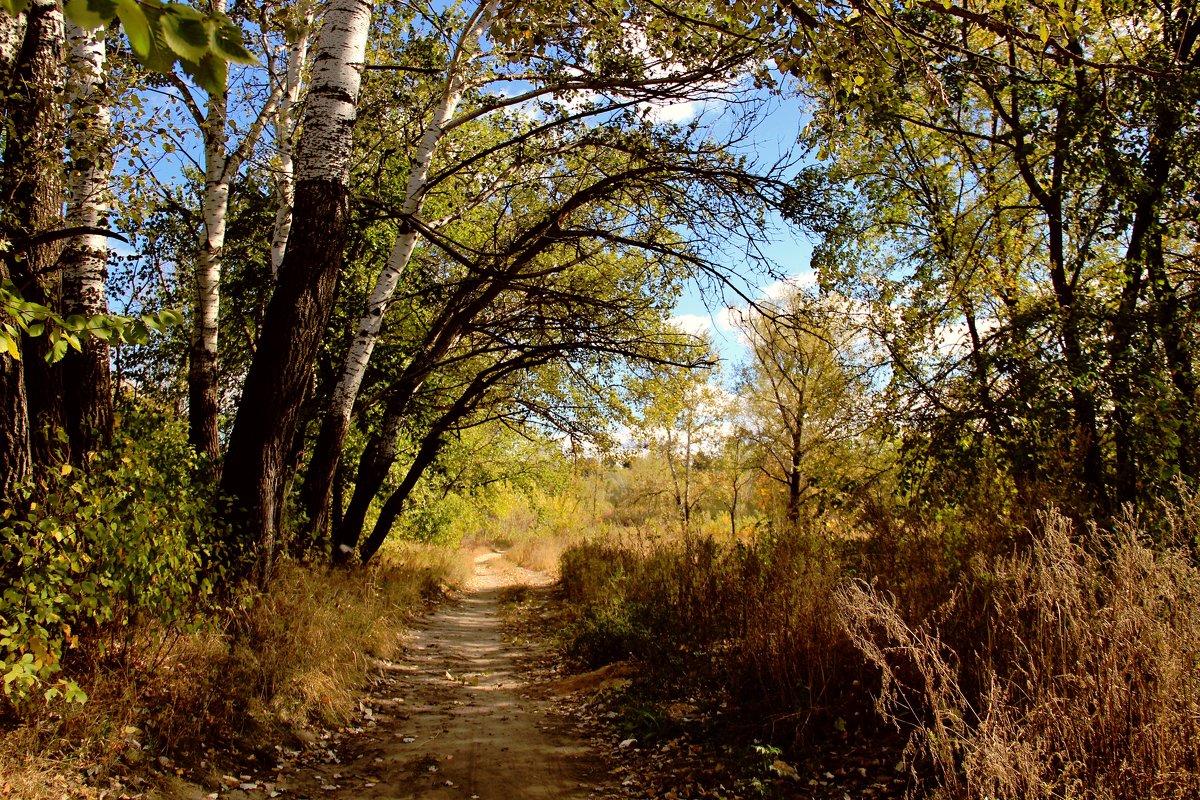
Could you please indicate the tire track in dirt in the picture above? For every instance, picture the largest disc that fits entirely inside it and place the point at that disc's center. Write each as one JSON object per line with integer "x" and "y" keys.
{"x": 457, "y": 719}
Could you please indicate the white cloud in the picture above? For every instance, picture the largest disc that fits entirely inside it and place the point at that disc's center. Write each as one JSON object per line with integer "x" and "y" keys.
{"x": 694, "y": 324}
{"x": 781, "y": 288}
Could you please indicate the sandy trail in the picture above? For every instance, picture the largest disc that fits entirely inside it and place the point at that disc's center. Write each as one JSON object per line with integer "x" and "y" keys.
{"x": 457, "y": 719}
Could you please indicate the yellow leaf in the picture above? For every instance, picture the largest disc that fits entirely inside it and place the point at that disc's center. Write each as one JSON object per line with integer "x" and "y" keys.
{"x": 66, "y": 469}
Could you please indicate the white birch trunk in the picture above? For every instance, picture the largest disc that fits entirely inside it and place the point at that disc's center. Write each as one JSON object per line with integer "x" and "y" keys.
{"x": 203, "y": 401}
{"x": 355, "y": 366}
{"x": 285, "y": 132}
{"x": 87, "y": 400}
{"x": 332, "y": 106}
{"x": 90, "y": 168}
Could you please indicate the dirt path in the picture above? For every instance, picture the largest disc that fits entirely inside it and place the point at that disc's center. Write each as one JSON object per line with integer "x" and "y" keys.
{"x": 455, "y": 719}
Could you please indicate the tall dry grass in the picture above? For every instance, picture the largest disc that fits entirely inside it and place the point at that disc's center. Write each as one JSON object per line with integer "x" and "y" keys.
{"x": 1083, "y": 683}
{"x": 753, "y": 623}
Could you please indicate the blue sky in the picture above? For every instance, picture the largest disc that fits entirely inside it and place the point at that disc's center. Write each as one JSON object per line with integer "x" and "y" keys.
{"x": 785, "y": 248}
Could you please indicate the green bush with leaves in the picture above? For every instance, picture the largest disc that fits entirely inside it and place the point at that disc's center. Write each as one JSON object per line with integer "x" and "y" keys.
{"x": 96, "y": 552}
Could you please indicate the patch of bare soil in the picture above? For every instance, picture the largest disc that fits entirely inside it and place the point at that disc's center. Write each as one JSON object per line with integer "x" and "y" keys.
{"x": 456, "y": 719}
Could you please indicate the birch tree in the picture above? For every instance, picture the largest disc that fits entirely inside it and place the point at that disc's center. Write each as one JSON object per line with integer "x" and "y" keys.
{"x": 337, "y": 420}
{"x": 558, "y": 68}
{"x": 298, "y": 32}
{"x": 85, "y": 258}
{"x": 256, "y": 468}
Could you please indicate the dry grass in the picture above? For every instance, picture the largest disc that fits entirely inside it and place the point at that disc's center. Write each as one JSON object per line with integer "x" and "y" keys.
{"x": 541, "y": 553}
{"x": 1087, "y": 683}
{"x": 296, "y": 656}
{"x": 753, "y": 622}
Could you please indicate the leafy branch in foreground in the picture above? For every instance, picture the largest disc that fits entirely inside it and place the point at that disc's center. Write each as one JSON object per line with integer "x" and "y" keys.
{"x": 161, "y": 34}
{"x": 68, "y": 332}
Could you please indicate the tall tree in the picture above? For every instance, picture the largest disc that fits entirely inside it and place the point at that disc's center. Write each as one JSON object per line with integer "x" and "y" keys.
{"x": 221, "y": 166}
{"x": 256, "y": 469}
{"x": 31, "y": 193}
{"x": 1020, "y": 175}
{"x": 89, "y": 415}
{"x": 805, "y": 394}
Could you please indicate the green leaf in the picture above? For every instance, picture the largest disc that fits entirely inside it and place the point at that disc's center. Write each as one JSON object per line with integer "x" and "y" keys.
{"x": 210, "y": 73}
{"x": 14, "y": 7}
{"x": 186, "y": 32}
{"x": 137, "y": 27}
{"x": 227, "y": 43}
{"x": 91, "y": 14}
{"x": 57, "y": 351}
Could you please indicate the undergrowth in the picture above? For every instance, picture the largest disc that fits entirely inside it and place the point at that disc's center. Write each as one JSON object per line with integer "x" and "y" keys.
{"x": 120, "y": 662}
{"x": 1040, "y": 663}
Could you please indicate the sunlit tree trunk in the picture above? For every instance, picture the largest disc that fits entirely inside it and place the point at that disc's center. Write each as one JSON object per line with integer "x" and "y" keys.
{"x": 285, "y": 132}
{"x": 255, "y": 466}
{"x": 203, "y": 380}
{"x": 336, "y": 424}
{"x": 12, "y": 32}
{"x": 88, "y": 404}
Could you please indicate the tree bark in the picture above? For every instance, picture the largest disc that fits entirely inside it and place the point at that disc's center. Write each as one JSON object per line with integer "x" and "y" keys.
{"x": 336, "y": 423}
{"x": 32, "y": 198}
{"x": 14, "y": 415}
{"x": 255, "y": 465}
{"x": 12, "y": 33}
{"x": 88, "y": 405}
{"x": 203, "y": 380}
{"x": 373, "y": 467}
{"x": 285, "y": 132}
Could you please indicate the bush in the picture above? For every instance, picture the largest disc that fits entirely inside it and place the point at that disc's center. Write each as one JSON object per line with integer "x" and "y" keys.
{"x": 97, "y": 553}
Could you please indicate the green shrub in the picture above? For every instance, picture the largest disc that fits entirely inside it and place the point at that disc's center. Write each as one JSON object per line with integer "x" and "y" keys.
{"x": 98, "y": 550}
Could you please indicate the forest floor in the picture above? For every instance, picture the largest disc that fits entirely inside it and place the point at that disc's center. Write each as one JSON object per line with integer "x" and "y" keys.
{"x": 481, "y": 708}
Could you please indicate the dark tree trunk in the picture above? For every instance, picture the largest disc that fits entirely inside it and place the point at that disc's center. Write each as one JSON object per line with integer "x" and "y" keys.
{"x": 203, "y": 432}
{"x": 87, "y": 407}
{"x": 256, "y": 463}
{"x": 793, "y": 479}
{"x": 14, "y": 424}
{"x": 395, "y": 502}
{"x": 32, "y": 199}
{"x": 373, "y": 467}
